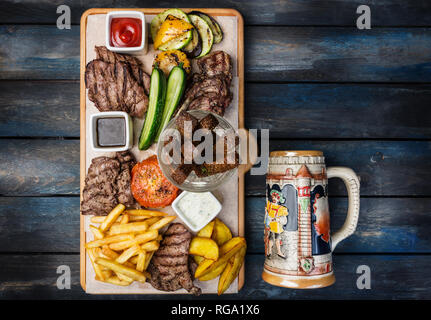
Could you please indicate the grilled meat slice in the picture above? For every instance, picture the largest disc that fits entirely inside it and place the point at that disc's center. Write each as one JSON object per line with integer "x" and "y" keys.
{"x": 210, "y": 89}
{"x": 112, "y": 87}
{"x": 107, "y": 184}
{"x": 169, "y": 266}
{"x": 135, "y": 64}
{"x": 99, "y": 191}
{"x": 209, "y": 102}
{"x": 216, "y": 63}
{"x": 216, "y": 84}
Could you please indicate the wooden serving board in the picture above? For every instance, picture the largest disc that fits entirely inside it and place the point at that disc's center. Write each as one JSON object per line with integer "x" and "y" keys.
{"x": 234, "y": 44}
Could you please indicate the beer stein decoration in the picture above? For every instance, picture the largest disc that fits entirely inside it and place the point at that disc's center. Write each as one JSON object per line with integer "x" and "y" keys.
{"x": 298, "y": 242}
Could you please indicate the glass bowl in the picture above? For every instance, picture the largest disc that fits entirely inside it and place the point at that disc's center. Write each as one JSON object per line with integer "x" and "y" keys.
{"x": 193, "y": 183}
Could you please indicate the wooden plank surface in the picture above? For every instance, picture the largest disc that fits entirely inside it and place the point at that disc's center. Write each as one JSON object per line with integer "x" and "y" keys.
{"x": 386, "y": 225}
{"x": 270, "y": 12}
{"x": 38, "y": 167}
{"x": 272, "y": 54}
{"x": 39, "y": 108}
{"x": 31, "y": 276}
{"x": 386, "y": 168}
{"x": 300, "y": 110}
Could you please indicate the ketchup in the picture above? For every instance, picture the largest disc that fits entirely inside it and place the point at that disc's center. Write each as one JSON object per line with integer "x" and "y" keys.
{"x": 126, "y": 32}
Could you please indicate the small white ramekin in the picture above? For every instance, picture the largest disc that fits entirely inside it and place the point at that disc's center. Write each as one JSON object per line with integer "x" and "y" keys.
{"x": 111, "y": 114}
{"x": 186, "y": 219}
{"x": 126, "y": 14}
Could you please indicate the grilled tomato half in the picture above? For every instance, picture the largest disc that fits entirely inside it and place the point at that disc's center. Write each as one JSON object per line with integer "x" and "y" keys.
{"x": 150, "y": 187}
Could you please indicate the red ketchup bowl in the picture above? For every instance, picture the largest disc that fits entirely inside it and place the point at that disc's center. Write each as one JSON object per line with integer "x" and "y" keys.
{"x": 126, "y": 32}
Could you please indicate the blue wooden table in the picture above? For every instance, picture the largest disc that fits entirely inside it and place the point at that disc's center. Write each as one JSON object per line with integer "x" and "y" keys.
{"x": 312, "y": 78}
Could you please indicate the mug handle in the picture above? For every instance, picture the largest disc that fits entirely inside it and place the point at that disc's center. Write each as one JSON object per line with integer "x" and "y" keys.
{"x": 351, "y": 181}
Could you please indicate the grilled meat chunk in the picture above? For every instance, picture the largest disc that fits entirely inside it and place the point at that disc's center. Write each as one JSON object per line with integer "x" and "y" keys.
{"x": 216, "y": 63}
{"x": 107, "y": 184}
{"x": 112, "y": 87}
{"x": 134, "y": 63}
{"x": 169, "y": 268}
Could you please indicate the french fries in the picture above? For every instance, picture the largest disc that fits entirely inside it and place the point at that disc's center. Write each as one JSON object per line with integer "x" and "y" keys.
{"x": 112, "y": 217}
{"x": 141, "y": 261}
{"x": 119, "y": 268}
{"x": 124, "y": 243}
{"x": 163, "y": 222}
{"x": 139, "y": 239}
{"x": 142, "y": 212}
{"x": 96, "y": 232}
{"x": 128, "y": 228}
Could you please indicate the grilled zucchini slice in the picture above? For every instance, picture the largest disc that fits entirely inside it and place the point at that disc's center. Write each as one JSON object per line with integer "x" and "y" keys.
{"x": 215, "y": 27}
{"x": 205, "y": 33}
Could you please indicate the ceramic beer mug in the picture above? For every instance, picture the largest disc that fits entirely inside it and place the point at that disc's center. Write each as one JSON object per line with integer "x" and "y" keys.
{"x": 298, "y": 242}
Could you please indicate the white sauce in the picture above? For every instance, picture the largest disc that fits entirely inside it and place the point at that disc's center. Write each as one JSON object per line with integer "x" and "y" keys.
{"x": 198, "y": 208}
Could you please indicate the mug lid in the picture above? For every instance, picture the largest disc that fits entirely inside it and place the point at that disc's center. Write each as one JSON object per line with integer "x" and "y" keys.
{"x": 293, "y": 153}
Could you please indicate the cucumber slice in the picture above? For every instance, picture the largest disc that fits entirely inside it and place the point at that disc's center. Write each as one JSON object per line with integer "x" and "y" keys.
{"x": 177, "y": 43}
{"x": 160, "y": 18}
{"x": 194, "y": 48}
{"x": 215, "y": 27}
{"x": 205, "y": 33}
{"x": 175, "y": 90}
{"x": 155, "y": 109}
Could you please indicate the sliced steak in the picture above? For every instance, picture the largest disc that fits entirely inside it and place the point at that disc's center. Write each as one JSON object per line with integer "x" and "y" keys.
{"x": 210, "y": 89}
{"x": 134, "y": 63}
{"x": 169, "y": 266}
{"x": 112, "y": 87}
{"x": 107, "y": 184}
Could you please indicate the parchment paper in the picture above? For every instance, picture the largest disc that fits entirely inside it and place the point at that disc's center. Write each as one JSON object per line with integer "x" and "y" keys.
{"x": 227, "y": 193}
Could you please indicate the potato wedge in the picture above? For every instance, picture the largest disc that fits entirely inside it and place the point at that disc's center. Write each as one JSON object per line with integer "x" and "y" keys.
{"x": 119, "y": 268}
{"x": 139, "y": 239}
{"x": 227, "y": 251}
{"x": 207, "y": 231}
{"x": 112, "y": 217}
{"x": 143, "y": 212}
{"x": 203, "y": 267}
{"x": 128, "y": 228}
{"x": 162, "y": 222}
{"x": 233, "y": 244}
{"x": 221, "y": 233}
{"x": 199, "y": 259}
{"x": 230, "y": 273}
{"x": 213, "y": 274}
{"x": 204, "y": 247}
